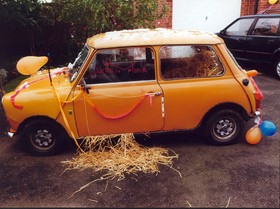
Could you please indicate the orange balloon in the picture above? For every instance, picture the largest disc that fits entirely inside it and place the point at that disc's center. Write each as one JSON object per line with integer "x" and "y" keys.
{"x": 253, "y": 135}
{"x": 272, "y": 1}
{"x": 31, "y": 64}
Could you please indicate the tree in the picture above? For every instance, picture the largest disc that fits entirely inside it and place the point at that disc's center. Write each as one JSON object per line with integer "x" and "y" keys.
{"x": 3, "y": 76}
{"x": 18, "y": 20}
{"x": 59, "y": 29}
{"x": 79, "y": 19}
{"x": 87, "y": 17}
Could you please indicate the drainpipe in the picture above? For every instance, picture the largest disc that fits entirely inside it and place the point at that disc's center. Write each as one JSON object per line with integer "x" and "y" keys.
{"x": 256, "y": 6}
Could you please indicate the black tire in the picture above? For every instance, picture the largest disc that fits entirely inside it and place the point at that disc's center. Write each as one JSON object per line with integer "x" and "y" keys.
{"x": 276, "y": 68}
{"x": 43, "y": 137}
{"x": 224, "y": 127}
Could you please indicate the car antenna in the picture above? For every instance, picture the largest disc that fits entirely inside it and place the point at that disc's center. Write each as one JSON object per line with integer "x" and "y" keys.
{"x": 49, "y": 72}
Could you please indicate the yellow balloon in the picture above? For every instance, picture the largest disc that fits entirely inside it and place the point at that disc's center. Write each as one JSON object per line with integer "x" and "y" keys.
{"x": 253, "y": 135}
{"x": 31, "y": 64}
{"x": 272, "y": 1}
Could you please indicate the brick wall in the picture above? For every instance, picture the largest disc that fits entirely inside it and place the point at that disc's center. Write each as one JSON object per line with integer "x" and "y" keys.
{"x": 248, "y": 6}
{"x": 263, "y": 4}
{"x": 166, "y": 21}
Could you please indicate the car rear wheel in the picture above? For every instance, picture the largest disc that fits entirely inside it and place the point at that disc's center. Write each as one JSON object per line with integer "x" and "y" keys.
{"x": 224, "y": 127}
{"x": 43, "y": 137}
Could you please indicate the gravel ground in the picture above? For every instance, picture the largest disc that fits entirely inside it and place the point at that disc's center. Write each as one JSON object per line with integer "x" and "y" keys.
{"x": 239, "y": 175}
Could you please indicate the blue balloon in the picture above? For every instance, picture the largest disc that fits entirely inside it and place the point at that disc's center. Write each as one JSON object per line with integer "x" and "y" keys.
{"x": 267, "y": 128}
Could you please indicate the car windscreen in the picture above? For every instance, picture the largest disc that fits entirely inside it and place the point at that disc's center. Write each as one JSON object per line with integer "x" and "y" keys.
{"x": 74, "y": 68}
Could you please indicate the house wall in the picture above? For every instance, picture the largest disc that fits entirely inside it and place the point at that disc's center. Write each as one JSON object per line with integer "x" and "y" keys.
{"x": 246, "y": 7}
{"x": 207, "y": 15}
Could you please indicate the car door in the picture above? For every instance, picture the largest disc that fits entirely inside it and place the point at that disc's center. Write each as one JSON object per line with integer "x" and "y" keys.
{"x": 235, "y": 36}
{"x": 263, "y": 40}
{"x": 123, "y": 94}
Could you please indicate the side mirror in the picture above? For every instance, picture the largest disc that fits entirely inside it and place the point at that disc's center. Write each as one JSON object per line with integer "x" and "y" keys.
{"x": 223, "y": 32}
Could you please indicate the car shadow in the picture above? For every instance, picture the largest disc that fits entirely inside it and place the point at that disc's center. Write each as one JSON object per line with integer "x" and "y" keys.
{"x": 169, "y": 139}
{"x": 164, "y": 140}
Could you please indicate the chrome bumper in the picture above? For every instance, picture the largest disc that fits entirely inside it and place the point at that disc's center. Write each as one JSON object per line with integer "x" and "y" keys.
{"x": 258, "y": 116}
{"x": 10, "y": 134}
{"x": 257, "y": 113}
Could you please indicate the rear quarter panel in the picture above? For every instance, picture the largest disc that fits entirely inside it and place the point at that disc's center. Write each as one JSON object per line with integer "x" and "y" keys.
{"x": 240, "y": 74}
{"x": 187, "y": 101}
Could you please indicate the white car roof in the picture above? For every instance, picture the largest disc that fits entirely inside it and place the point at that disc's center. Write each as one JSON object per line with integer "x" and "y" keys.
{"x": 158, "y": 36}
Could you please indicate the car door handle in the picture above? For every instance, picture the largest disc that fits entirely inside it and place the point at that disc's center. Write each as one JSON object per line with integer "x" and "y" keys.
{"x": 241, "y": 40}
{"x": 270, "y": 41}
{"x": 154, "y": 93}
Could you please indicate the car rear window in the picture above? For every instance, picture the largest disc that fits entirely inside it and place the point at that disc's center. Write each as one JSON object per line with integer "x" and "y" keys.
{"x": 189, "y": 61}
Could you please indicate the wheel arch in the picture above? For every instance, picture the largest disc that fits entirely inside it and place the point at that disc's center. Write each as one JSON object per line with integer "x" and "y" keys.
{"x": 276, "y": 55}
{"x": 275, "y": 63}
{"x": 229, "y": 106}
{"x": 43, "y": 118}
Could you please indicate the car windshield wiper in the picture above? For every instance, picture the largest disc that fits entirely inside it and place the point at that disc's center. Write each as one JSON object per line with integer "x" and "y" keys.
{"x": 70, "y": 66}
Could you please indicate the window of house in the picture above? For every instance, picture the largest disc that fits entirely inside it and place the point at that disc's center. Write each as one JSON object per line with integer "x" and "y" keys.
{"x": 178, "y": 62}
{"x": 121, "y": 65}
{"x": 266, "y": 26}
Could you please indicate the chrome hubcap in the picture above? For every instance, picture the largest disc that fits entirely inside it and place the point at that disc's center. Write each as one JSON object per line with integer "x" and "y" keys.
{"x": 224, "y": 129}
{"x": 278, "y": 69}
{"x": 43, "y": 139}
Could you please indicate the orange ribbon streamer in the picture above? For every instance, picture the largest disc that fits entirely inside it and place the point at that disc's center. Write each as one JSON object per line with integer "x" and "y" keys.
{"x": 26, "y": 84}
{"x": 90, "y": 103}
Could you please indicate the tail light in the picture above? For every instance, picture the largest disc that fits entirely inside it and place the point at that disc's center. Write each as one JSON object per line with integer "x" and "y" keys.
{"x": 258, "y": 94}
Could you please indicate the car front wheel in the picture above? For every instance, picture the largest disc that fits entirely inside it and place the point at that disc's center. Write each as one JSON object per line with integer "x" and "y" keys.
{"x": 277, "y": 68}
{"x": 43, "y": 138}
{"x": 224, "y": 127}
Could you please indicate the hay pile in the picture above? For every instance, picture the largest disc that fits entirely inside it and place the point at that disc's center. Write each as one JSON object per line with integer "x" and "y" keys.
{"x": 118, "y": 155}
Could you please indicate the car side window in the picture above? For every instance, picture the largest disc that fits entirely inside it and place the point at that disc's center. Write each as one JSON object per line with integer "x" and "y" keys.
{"x": 196, "y": 61}
{"x": 266, "y": 26}
{"x": 121, "y": 65}
{"x": 240, "y": 27}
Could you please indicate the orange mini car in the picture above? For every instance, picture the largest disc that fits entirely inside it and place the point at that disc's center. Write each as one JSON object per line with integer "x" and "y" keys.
{"x": 134, "y": 81}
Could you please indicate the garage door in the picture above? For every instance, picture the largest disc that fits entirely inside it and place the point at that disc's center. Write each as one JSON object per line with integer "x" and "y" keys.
{"x": 207, "y": 15}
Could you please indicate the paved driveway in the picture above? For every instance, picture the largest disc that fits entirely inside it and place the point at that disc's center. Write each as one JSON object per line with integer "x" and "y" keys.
{"x": 239, "y": 175}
